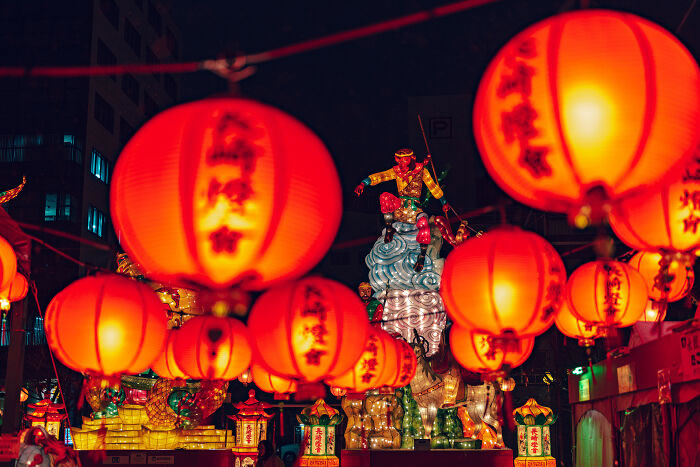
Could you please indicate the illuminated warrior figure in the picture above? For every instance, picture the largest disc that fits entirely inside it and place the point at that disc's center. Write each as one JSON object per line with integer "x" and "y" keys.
{"x": 410, "y": 176}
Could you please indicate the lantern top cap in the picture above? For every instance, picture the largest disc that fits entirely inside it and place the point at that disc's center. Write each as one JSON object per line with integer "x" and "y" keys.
{"x": 532, "y": 413}
{"x": 251, "y": 408}
{"x": 321, "y": 408}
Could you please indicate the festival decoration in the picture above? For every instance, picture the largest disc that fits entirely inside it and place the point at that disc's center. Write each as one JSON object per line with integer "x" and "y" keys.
{"x": 386, "y": 413}
{"x": 338, "y": 392}
{"x": 8, "y": 264}
{"x": 479, "y": 416}
{"x": 319, "y": 422}
{"x": 14, "y": 292}
{"x": 309, "y": 330}
{"x": 569, "y": 91}
{"x": 484, "y": 353}
{"x": 376, "y": 367}
{"x": 407, "y": 365}
{"x": 606, "y": 293}
{"x": 106, "y": 324}
{"x": 158, "y": 437}
{"x": 655, "y": 311}
{"x": 666, "y": 219}
{"x": 269, "y": 382}
{"x": 251, "y": 428}
{"x": 246, "y": 377}
{"x": 412, "y": 424}
{"x": 534, "y": 440}
{"x": 359, "y": 423}
{"x": 506, "y": 282}
{"x": 47, "y": 414}
{"x": 410, "y": 176}
{"x": 38, "y": 448}
{"x": 210, "y": 347}
{"x": 375, "y": 308}
{"x": 258, "y": 196}
{"x": 666, "y": 281}
{"x": 569, "y": 325}
{"x": 165, "y": 365}
{"x": 157, "y": 408}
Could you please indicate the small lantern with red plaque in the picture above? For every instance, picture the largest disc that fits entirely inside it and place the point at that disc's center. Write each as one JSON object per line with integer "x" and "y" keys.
{"x": 251, "y": 428}
{"x": 48, "y": 415}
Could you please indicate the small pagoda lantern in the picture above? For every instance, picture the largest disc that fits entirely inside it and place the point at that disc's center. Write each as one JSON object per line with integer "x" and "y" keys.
{"x": 534, "y": 440}
{"x": 319, "y": 422}
{"x": 251, "y": 428}
{"x": 47, "y": 414}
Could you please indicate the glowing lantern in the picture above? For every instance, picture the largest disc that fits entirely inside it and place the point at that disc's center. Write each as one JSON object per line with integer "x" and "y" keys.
{"x": 506, "y": 281}
{"x": 338, "y": 392}
{"x": 484, "y": 353}
{"x": 587, "y": 107}
{"x": 607, "y": 293}
{"x": 665, "y": 219}
{"x": 8, "y": 264}
{"x": 212, "y": 348}
{"x": 251, "y": 428}
{"x": 236, "y": 192}
{"x": 14, "y": 292}
{"x": 106, "y": 324}
{"x": 406, "y": 365}
{"x": 654, "y": 311}
{"x": 47, "y": 414}
{"x": 310, "y": 329}
{"x": 377, "y": 366}
{"x": 676, "y": 284}
{"x": 269, "y": 382}
{"x": 165, "y": 365}
{"x": 246, "y": 377}
{"x": 569, "y": 325}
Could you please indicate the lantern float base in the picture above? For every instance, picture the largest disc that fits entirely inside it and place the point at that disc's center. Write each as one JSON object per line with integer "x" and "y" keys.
{"x": 535, "y": 462}
{"x": 411, "y": 458}
{"x": 319, "y": 461}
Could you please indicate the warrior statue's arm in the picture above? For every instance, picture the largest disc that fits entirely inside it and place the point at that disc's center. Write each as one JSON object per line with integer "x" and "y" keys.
{"x": 435, "y": 190}
{"x": 375, "y": 179}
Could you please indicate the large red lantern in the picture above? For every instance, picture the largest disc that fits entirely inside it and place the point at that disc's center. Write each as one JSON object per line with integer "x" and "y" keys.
{"x": 485, "y": 353}
{"x": 14, "y": 292}
{"x": 376, "y": 367}
{"x": 406, "y": 366}
{"x": 106, "y": 325}
{"x": 309, "y": 330}
{"x": 8, "y": 263}
{"x": 269, "y": 382}
{"x": 165, "y": 365}
{"x": 506, "y": 281}
{"x": 212, "y": 348}
{"x": 607, "y": 293}
{"x": 667, "y": 283}
{"x": 225, "y": 190}
{"x": 587, "y": 107}
{"x": 569, "y": 325}
{"x": 665, "y": 219}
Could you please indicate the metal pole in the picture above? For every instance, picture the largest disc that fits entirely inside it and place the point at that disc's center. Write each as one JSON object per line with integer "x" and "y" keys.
{"x": 14, "y": 375}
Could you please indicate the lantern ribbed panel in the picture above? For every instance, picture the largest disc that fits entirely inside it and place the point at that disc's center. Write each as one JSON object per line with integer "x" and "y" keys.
{"x": 268, "y": 382}
{"x": 17, "y": 289}
{"x": 477, "y": 351}
{"x": 376, "y": 367}
{"x": 292, "y": 341}
{"x": 583, "y": 99}
{"x": 212, "y": 348}
{"x": 223, "y": 190}
{"x": 647, "y": 264}
{"x": 573, "y": 327}
{"x": 107, "y": 325}
{"x": 165, "y": 365}
{"x": 8, "y": 263}
{"x": 406, "y": 367}
{"x": 507, "y": 279}
{"x": 663, "y": 219}
{"x": 607, "y": 293}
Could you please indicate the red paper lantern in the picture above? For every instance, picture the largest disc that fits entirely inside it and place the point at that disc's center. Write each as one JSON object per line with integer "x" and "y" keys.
{"x": 107, "y": 325}
{"x": 246, "y": 377}
{"x": 506, "y": 281}
{"x": 225, "y": 190}
{"x": 339, "y": 392}
{"x": 14, "y": 292}
{"x": 485, "y": 353}
{"x": 269, "y": 382}
{"x": 406, "y": 365}
{"x": 607, "y": 293}
{"x": 571, "y": 326}
{"x": 665, "y": 219}
{"x": 212, "y": 348}
{"x": 376, "y": 367}
{"x": 681, "y": 276}
{"x": 587, "y": 107}
{"x": 310, "y": 329}
{"x": 165, "y": 365}
{"x": 8, "y": 263}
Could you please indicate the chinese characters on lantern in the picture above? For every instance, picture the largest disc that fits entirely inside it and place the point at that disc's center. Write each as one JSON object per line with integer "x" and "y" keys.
{"x": 535, "y": 441}
{"x": 369, "y": 364}
{"x": 612, "y": 289}
{"x": 315, "y": 311}
{"x": 691, "y": 197}
{"x": 518, "y": 124}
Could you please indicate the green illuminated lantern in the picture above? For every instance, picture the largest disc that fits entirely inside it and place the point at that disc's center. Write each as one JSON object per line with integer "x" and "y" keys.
{"x": 319, "y": 423}
{"x": 534, "y": 440}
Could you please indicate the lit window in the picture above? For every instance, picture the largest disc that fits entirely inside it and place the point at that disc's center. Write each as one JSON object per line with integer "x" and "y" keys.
{"x": 74, "y": 150}
{"x": 99, "y": 166}
{"x": 96, "y": 221}
{"x": 12, "y": 147}
{"x": 57, "y": 207}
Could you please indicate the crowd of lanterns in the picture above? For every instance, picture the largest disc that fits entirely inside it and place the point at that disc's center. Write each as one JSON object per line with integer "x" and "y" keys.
{"x": 588, "y": 113}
